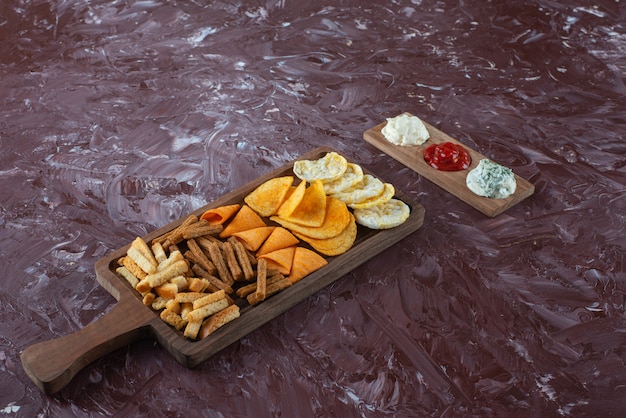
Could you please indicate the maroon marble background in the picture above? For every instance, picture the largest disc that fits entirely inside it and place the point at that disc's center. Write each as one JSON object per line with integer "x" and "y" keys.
{"x": 117, "y": 117}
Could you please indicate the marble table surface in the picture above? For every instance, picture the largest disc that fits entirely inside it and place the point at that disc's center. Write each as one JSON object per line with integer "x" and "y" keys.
{"x": 119, "y": 117}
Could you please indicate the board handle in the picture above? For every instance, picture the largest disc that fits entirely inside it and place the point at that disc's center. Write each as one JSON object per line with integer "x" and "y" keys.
{"x": 52, "y": 364}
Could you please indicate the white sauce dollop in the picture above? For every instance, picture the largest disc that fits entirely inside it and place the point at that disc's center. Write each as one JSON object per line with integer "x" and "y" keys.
{"x": 405, "y": 130}
{"x": 491, "y": 180}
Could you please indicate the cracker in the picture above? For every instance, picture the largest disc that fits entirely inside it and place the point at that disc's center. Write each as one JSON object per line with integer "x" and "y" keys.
{"x": 162, "y": 276}
{"x": 130, "y": 277}
{"x": 159, "y": 252}
{"x": 132, "y": 267}
{"x": 192, "y": 328}
{"x": 173, "y": 319}
{"x": 218, "y": 320}
{"x": 207, "y": 310}
{"x": 208, "y": 299}
{"x": 167, "y": 290}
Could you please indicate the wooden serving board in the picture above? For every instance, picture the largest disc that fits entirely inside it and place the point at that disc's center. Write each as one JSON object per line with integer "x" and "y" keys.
{"x": 451, "y": 181}
{"x": 52, "y": 364}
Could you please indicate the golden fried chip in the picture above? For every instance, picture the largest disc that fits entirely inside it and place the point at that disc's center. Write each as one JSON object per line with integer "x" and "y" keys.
{"x": 267, "y": 198}
{"x": 388, "y": 192}
{"x": 219, "y": 215}
{"x": 305, "y": 262}
{"x": 328, "y": 168}
{"x": 291, "y": 203}
{"x": 335, "y": 245}
{"x": 278, "y": 239}
{"x": 312, "y": 208}
{"x": 245, "y": 219}
{"x": 336, "y": 220}
{"x": 280, "y": 259}
{"x": 252, "y": 239}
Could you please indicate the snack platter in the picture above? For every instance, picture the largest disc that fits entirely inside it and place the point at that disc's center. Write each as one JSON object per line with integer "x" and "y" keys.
{"x": 52, "y": 364}
{"x": 451, "y": 181}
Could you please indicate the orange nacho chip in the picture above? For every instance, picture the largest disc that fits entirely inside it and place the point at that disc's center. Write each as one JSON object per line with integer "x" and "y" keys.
{"x": 217, "y": 216}
{"x": 267, "y": 198}
{"x": 252, "y": 239}
{"x": 245, "y": 219}
{"x": 280, "y": 260}
{"x": 278, "y": 239}
{"x": 293, "y": 200}
{"x": 335, "y": 245}
{"x": 305, "y": 262}
{"x": 312, "y": 208}
{"x": 336, "y": 220}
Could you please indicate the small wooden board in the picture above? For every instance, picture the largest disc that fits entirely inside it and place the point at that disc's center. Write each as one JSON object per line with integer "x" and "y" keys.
{"x": 451, "y": 181}
{"x": 52, "y": 364}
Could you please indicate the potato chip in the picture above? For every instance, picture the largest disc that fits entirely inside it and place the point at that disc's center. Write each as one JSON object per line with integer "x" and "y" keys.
{"x": 336, "y": 220}
{"x": 336, "y": 245}
{"x": 387, "y": 215}
{"x": 280, "y": 260}
{"x": 312, "y": 208}
{"x": 388, "y": 192}
{"x": 278, "y": 239}
{"x": 367, "y": 188}
{"x": 245, "y": 219}
{"x": 267, "y": 198}
{"x": 305, "y": 262}
{"x": 328, "y": 168}
{"x": 219, "y": 215}
{"x": 291, "y": 203}
{"x": 352, "y": 175}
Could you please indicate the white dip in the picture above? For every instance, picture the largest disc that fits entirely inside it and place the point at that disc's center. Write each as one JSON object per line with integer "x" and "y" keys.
{"x": 405, "y": 130}
{"x": 492, "y": 180}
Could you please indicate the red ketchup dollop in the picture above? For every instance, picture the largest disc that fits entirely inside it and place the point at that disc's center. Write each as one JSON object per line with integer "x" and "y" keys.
{"x": 447, "y": 156}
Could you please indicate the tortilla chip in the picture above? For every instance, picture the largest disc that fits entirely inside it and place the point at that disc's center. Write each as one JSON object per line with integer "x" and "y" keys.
{"x": 252, "y": 239}
{"x": 312, "y": 208}
{"x": 292, "y": 202}
{"x": 245, "y": 219}
{"x": 305, "y": 262}
{"x": 336, "y": 220}
{"x": 217, "y": 216}
{"x": 336, "y": 245}
{"x": 280, "y": 260}
{"x": 278, "y": 239}
{"x": 267, "y": 198}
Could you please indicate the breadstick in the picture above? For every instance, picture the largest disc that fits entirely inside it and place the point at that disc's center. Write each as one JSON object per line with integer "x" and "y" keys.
{"x": 261, "y": 282}
{"x": 242, "y": 258}
{"x": 214, "y": 281}
{"x": 272, "y": 289}
{"x": 218, "y": 320}
{"x": 220, "y": 264}
{"x": 231, "y": 261}
{"x": 207, "y": 310}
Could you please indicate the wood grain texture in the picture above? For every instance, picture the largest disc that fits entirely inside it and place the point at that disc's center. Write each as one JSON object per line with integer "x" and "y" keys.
{"x": 451, "y": 181}
{"x": 52, "y": 364}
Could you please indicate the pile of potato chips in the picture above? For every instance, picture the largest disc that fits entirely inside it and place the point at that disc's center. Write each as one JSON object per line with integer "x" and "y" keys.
{"x": 317, "y": 209}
